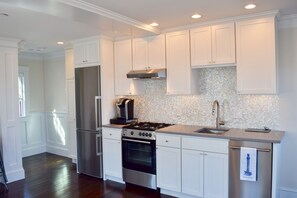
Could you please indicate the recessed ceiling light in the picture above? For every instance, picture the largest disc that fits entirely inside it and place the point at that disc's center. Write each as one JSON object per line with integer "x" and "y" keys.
{"x": 60, "y": 42}
{"x": 250, "y": 6}
{"x": 196, "y": 16}
{"x": 154, "y": 24}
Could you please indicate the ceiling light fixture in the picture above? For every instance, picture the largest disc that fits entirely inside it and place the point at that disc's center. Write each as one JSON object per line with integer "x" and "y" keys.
{"x": 250, "y": 6}
{"x": 196, "y": 16}
{"x": 60, "y": 42}
{"x": 154, "y": 24}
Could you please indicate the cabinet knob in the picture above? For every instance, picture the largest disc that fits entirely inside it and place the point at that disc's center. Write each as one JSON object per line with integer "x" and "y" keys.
{"x": 209, "y": 62}
{"x": 110, "y": 134}
{"x": 166, "y": 140}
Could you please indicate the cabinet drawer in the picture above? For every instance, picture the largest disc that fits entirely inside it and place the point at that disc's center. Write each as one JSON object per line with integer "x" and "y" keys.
{"x": 168, "y": 140}
{"x": 205, "y": 144}
{"x": 112, "y": 133}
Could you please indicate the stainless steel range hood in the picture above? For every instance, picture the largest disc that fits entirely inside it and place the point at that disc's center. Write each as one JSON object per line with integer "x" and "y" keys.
{"x": 150, "y": 73}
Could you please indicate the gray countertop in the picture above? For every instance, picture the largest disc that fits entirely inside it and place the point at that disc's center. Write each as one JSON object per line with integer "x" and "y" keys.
{"x": 232, "y": 134}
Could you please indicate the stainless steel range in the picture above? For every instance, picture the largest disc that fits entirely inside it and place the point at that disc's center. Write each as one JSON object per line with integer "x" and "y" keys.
{"x": 139, "y": 153}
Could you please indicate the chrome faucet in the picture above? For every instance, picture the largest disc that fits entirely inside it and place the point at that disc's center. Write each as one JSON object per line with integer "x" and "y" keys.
{"x": 218, "y": 121}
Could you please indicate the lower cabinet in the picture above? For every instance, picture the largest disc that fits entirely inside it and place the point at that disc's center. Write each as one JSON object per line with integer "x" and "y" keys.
{"x": 112, "y": 154}
{"x": 190, "y": 166}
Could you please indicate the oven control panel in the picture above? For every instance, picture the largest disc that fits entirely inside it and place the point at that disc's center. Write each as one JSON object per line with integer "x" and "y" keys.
{"x": 140, "y": 134}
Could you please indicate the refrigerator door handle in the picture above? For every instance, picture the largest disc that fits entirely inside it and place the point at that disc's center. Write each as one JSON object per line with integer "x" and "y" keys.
{"x": 98, "y": 144}
{"x": 97, "y": 116}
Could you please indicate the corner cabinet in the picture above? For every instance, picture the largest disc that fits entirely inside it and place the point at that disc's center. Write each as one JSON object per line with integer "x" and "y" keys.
{"x": 213, "y": 46}
{"x": 256, "y": 56}
{"x": 112, "y": 154}
{"x": 86, "y": 53}
{"x": 149, "y": 53}
{"x": 179, "y": 72}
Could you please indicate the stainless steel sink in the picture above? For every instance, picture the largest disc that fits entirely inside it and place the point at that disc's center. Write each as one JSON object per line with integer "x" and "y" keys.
{"x": 212, "y": 130}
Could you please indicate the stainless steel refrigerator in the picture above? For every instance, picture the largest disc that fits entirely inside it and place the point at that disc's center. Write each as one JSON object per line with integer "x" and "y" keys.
{"x": 88, "y": 121}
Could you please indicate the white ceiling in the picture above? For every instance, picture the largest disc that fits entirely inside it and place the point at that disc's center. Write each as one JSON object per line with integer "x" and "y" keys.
{"x": 41, "y": 23}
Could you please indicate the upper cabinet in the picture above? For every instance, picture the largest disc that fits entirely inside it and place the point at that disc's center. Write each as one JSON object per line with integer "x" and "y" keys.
{"x": 123, "y": 64}
{"x": 213, "y": 46}
{"x": 86, "y": 53}
{"x": 179, "y": 72}
{"x": 149, "y": 53}
{"x": 256, "y": 56}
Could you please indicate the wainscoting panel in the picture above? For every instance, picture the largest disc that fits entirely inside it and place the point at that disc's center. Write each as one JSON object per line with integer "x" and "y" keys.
{"x": 33, "y": 134}
{"x": 56, "y": 133}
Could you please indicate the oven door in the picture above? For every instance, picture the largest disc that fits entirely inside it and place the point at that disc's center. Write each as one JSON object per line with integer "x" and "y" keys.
{"x": 139, "y": 154}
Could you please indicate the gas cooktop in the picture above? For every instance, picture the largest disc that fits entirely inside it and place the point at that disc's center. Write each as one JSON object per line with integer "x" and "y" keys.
{"x": 142, "y": 130}
{"x": 146, "y": 126}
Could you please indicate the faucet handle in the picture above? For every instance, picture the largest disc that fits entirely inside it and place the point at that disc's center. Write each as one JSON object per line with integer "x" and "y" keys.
{"x": 221, "y": 122}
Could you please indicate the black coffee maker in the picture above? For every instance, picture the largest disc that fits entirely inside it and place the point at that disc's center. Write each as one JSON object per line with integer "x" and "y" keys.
{"x": 125, "y": 111}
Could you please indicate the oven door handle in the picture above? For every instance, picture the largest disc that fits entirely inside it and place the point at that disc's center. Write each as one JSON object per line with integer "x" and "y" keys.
{"x": 138, "y": 141}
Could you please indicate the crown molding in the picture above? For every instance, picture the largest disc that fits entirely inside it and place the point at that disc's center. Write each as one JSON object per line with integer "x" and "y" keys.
{"x": 55, "y": 54}
{"x": 109, "y": 14}
{"x": 272, "y": 13}
{"x": 287, "y": 21}
{"x": 9, "y": 42}
{"x": 31, "y": 56}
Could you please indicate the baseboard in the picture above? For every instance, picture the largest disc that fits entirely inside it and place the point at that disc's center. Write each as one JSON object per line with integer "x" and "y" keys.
{"x": 15, "y": 175}
{"x": 288, "y": 192}
{"x": 33, "y": 151}
{"x": 175, "y": 194}
{"x": 57, "y": 151}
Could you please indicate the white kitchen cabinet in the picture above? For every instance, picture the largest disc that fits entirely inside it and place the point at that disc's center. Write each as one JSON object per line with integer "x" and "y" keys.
{"x": 86, "y": 53}
{"x": 192, "y": 172}
{"x": 112, "y": 154}
{"x": 168, "y": 162}
{"x": 256, "y": 56}
{"x": 215, "y": 175}
{"x": 123, "y": 64}
{"x": 179, "y": 72}
{"x": 205, "y": 167}
{"x": 213, "y": 46}
{"x": 149, "y": 53}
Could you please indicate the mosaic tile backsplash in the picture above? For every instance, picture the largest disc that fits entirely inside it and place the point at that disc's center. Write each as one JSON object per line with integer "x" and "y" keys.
{"x": 238, "y": 111}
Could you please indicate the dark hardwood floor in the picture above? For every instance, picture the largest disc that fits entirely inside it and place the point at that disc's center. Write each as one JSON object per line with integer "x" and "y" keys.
{"x": 53, "y": 176}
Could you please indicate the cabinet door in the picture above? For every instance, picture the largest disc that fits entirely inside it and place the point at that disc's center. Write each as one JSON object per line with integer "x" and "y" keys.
{"x": 123, "y": 64}
{"x": 79, "y": 54}
{"x": 169, "y": 168}
{"x": 215, "y": 175}
{"x": 112, "y": 157}
{"x": 201, "y": 46}
{"x": 178, "y": 63}
{"x": 223, "y": 44}
{"x": 256, "y": 59}
{"x": 156, "y": 52}
{"x": 192, "y": 172}
{"x": 140, "y": 54}
{"x": 92, "y": 53}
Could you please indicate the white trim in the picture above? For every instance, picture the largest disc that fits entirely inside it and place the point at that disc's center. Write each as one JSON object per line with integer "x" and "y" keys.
{"x": 15, "y": 175}
{"x": 25, "y": 70}
{"x": 287, "y": 21}
{"x": 92, "y": 38}
{"x": 109, "y": 14}
{"x": 57, "y": 150}
{"x": 34, "y": 150}
{"x": 275, "y": 171}
{"x": 9, "y": 42}
{"x": 273, "y": 13}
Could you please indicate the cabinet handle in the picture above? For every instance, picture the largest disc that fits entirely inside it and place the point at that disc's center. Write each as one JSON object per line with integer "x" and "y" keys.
{"x": 166, "y": 140}
{"x": 213, "y": 61}
{"x": 205, "y": 154}
{"x": 110, "y": 134}
{"x": 201, "y": 153}
{"x": 209, "y": 62}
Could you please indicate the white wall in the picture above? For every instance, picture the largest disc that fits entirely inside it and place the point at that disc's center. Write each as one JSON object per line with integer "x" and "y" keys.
{"x": 288, "y": 105}
{"x": 54, "y": 83}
